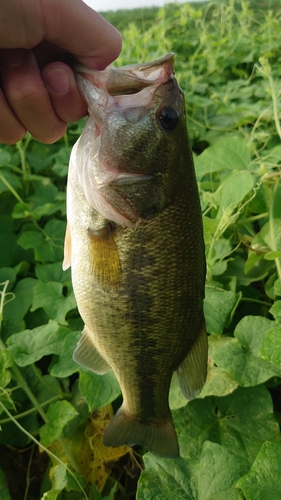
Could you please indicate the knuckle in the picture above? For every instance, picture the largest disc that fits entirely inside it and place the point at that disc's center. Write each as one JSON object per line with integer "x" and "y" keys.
{"x": 21, "y": 94}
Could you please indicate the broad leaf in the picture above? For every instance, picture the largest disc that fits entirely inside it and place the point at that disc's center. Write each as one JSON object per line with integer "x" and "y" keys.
{"x": 262, "y": 482}
{"x": 239, "y": 356}
{"x": 98, "y": 390}
{"x": 47, "y": 245}
{"x": 227, "y": 154}
{"x": 50, "y": 296}
{"x": 23, "y": 297}
{"x": 31, "y": 345}
{"x": 218, "y": 472}
{"x": 58, "y": 414}
{"x": 241, "y": 422}
{"x": 66, "y": 366}
{"x": 218, "y": 305}
{"x": 164, "y": 479}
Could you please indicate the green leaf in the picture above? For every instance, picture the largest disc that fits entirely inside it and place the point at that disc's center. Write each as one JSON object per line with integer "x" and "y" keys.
{"x": 81, "y": 407}
{"x": 51, "y": 495}
{"x": 212, "y": 477}
{"x": 272, "y": 255}
{"x": 5, "y": 157}
{"x": 232, "y": 190}
{"x": 31, "y": 345}
{"x": 53, "y": 272}
{"x": 262, "y": 482}
{"x": 7, "y": 179}
{"x": 271, "y": 347}
{"x": 277, "y": 287}
{"x": 218, "y": 472}
{"x": 4, "y": 492}
{"x": 50, "y": 297}
{"x": 8, "y": 241}
{"x": 164, "y": 479}
{"x": 66, "y": 366}
{"x": 241, "y": 422}
{"x": 227, "y": 154}
{"x": 240, "y": 356}
{"x": 98, "y": 390}
{"x": 58, "y": 414}
{"x": 18, "y": 307}
{"x": 5, "y": 363}
{"x": 275, "y": 310}
{"x": 271, "y": 234}
{"x": 218, "y": 305}
{"x": 219, "y": 382}
{"x": 47, "y": 245}
{"x": 7, "y": 274}
{"x": 62, "y": 479}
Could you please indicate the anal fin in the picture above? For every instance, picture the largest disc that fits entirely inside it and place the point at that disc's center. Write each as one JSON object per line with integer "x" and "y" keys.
{"x": 192, "y": 371}
{"x": 87, "y": 355}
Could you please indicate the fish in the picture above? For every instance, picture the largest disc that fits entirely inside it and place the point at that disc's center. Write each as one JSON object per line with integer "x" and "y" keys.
{"x": 134, "y": 241}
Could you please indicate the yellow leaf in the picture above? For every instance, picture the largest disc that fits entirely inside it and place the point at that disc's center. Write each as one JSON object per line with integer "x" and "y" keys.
{"x": 94, "y": 460}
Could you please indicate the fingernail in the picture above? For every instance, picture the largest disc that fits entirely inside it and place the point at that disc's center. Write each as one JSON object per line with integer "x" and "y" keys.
{"x": 57, "y": 80}
{"x": 13, "y": 57}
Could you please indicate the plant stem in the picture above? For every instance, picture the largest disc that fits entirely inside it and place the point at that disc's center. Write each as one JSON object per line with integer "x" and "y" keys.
{"x": 11, "y": 189}
{"x": 38, "y": 407}
{"x": 275, "y": 105}
{"x": 32, "y": 410}
{"x": 41, "y": 412}
{"x": 28, "y": 480}
{"x": 256, "y": 301}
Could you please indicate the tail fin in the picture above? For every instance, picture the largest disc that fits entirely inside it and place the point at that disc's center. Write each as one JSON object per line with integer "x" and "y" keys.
{"x": 159, "y": 439}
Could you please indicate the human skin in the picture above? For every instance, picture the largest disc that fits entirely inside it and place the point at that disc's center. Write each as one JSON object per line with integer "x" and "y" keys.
{"x": 38, "y": 92}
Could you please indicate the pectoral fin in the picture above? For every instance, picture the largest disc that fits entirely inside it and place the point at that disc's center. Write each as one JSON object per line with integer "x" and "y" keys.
{"x": 67, "y": 249}
{"x": 87, "y": 355}
{"x": 192, "y": 371}
{"x": 105, "y": 257}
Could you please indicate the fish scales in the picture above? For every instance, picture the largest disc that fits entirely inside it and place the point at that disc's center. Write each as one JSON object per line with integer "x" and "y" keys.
{"x": 136, "y": 249}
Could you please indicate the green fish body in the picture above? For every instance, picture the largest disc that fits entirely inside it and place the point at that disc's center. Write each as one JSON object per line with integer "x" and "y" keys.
{"x": 134, "y": 242}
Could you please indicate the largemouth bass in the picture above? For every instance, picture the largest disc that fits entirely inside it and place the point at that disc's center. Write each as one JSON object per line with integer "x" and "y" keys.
{"x": 134, "y": 242}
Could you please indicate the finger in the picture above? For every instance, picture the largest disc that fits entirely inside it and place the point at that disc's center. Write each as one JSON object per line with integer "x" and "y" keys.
{"x": 11, "y": 130}
{"x": 70, "y": 24}
{"x": 66, "y": 99}
{"x": 95, "y": 43}
{"x": 27, "y": 96}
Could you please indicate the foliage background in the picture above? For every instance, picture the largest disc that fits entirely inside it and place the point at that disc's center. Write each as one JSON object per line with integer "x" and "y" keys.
{"x": 228, "y": 62}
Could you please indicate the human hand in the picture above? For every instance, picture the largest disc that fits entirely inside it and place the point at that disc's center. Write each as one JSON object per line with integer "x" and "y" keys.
{"x": 38, "y": 92}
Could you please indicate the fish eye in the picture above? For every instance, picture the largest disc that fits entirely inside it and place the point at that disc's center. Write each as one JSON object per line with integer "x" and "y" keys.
{"x": 168, "y": 118}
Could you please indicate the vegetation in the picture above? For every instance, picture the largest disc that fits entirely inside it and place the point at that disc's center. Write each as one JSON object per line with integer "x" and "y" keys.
{"x": 52, "y": 413}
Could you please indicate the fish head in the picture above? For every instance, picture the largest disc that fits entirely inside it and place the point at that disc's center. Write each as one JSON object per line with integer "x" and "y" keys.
{"x": 132, "y": 141}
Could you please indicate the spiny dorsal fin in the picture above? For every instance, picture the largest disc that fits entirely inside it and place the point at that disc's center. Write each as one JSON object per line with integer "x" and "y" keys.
{"x": 67, "y": 249}
{"x": 105, "y": 257}
{"x": 87, "y": 355}
{"x": 192, "y": 371}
